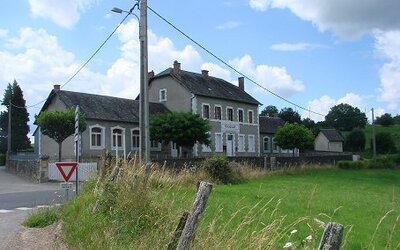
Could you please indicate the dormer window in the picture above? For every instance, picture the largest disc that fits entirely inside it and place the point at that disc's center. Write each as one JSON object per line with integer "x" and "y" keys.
{"x": 163, "y": 95}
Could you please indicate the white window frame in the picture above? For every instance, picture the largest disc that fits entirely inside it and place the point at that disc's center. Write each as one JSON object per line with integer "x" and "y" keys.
{"x": 163, "y": 98}
{"x": 252, "y": 116}
{"x": 227, "y": 116}
{"x": 220, "y": 112}
{"x": 268, "y": 150}
{"x": 202, "y": 110}
{"x": 274, "y": 145}
{"x": 218, "y": 142}
{"x": 102, "y": 137}
{"x": 241, "y": 146}
{"x": 238, "y": 110}
{"x": 132, "y": 147}
{"x": 122, "y": 137}
{"x": 152, "y": 148}
{"x": 251, "y": 143}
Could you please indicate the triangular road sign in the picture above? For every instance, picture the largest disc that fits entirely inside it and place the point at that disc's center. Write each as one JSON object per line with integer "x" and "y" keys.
{"x": 66, "y": 169}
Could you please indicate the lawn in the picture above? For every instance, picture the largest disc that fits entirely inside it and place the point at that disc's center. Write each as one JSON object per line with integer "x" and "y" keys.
{"x": 356, "y": 199}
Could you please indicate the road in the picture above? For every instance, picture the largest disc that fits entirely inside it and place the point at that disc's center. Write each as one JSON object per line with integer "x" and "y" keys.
{"x": 18, "y": 197}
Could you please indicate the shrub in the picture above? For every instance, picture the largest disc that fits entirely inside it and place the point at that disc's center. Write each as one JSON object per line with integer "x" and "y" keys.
{"x": 220, "y": 170}
{"x": 385, "y": 143}
{"x": 2, "y": 159}
{"x": 41, "y": 218}
{"x": 355, "y": 141}
{"x": 352, "y": 164}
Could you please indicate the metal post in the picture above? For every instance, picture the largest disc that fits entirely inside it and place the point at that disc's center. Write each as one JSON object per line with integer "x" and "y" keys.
{"x": 9, "y": 129}
{"x": 373, "y": 134}
{"x": 144, "y": 102}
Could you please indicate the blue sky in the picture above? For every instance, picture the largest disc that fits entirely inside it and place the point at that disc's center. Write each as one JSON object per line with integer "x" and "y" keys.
{"x": 315, "y": 53}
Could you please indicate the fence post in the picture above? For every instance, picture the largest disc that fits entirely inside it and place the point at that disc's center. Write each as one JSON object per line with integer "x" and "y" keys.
{"x": 332, "y": 237}
{"x": 199, "y": 205}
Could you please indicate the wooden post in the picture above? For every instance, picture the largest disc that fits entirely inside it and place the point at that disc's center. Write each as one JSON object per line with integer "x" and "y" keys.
{"x": 332, "y": 237}
{"x": 178, "y": 231}
{"x": 199, "y": 205}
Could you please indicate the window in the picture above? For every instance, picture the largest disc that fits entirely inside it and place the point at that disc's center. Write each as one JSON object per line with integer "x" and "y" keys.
{"x": 206, "y": 111}
{"x": 135, "y": 138}
{"x": 155, "y": 145}
{"x": 217, "y": 112}
{"x": 252, "y": 145}
{"x": 241, "y": 143}
{"x": 117, "y": 138}
{"x": 275, "y": 147}
{"x": 96, "y": 137}
{"x": 240, "y": 115}
{"x": 163, "y": 95}
{"x": 218, "y": 142}
{"x": 229, "y": 114}
{"x": 206, "y": 148}
{"x": 266, "y": 144}
{"x": 250, "y": 114}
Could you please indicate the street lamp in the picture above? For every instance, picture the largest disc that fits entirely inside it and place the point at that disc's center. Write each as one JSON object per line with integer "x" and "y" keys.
{"x": 144, "y": 96}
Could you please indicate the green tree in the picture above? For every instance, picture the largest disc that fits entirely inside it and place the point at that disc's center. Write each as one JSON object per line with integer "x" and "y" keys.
{"x": 345, "y": 117}
{"x": 59, "y": 125}
{"x": 19, "y": 120}
{"x": 385, "y": 120}
{"x": 384, "y": 143}
{"x": 270, "y": 111}
{"x": 289, "y": 115}
{"x": 355, "y": 141}
{"x": 396, "y": 119}
{"x": 293, "y": 135}
{"x": 184, "y": 129}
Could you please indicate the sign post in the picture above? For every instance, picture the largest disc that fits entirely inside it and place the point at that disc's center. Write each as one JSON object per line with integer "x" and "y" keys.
{"x": 77, "y": 144}
{"x": 66, "y": 170}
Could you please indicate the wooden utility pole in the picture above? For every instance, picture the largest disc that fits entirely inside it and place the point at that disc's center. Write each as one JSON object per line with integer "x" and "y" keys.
{"x": 9, "y": 128}
{"x": 373, "y": 134}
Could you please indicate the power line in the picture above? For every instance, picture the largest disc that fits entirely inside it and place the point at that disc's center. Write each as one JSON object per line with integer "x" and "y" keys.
{"x": 83, "y": 65}
{"x": 230, "y": 66}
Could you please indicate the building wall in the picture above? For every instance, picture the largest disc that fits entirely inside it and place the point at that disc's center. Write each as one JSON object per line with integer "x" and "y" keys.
{"x": 335, "y": 146}
{"x": 272, "y": 149}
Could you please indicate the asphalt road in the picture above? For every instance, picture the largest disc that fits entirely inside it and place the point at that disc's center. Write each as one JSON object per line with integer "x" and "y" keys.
{"x": 18, "y": 197}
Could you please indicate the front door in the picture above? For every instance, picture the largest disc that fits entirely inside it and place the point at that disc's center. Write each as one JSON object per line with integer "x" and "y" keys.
{"x": 229, "y": 145}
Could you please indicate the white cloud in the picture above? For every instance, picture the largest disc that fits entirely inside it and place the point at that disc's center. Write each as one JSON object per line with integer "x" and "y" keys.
{"x": 354, "y": 100}
{"x": 64, "y": 13}
{"x": 274, "y": 78}
{"x": 3, "y": 33}
{"x": 296, "y": 46}
{"x": 347, "y": 19}
{"x": 217, "y": 71}
{"x": 229, "y": 25}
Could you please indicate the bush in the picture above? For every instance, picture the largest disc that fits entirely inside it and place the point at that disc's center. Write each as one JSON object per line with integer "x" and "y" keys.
{"x": 385, "y": 143}
{"x": 2, "y": 159}
{"x": 355, "y": 141}
{"x": 220, "y": 170}
{"x": 352, "y": 164}
{"x": 41, "y": 218}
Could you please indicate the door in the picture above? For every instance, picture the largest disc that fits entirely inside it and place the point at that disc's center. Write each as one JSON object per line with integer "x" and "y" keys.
{"x": 174, "y": 150}
{"x": 229, "y": 145}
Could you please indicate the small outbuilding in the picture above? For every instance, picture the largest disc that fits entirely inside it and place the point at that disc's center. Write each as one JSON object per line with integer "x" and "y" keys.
{"x": 329, "y": 140}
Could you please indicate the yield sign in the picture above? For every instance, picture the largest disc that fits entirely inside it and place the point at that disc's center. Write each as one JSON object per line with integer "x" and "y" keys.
{"x": 66, "y": 169}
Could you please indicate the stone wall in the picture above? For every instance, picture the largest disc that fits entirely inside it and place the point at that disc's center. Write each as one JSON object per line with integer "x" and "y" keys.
{"x": 26, "y": 168}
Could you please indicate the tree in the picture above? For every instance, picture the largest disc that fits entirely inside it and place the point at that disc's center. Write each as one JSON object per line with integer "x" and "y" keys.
{"x": 345, "y": 117}
{"x": 184, "y": 129}
{"x": 59, "y": 125}
{"x": 270, "y": 111}
{"x": 396, "y": 119}
{"x": 293, "y": 135}
{"x": 19, "y": 120}
{"x": 289, "y": 115}
{"x": 355, "y": 141}
{"x": 385, "y": 120}
{"x": 384, "y": 143}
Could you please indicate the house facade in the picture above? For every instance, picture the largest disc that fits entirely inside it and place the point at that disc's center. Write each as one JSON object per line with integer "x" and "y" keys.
{"x": 328, "y": 140}
{"x": 112, "y": 124}
{"x": 232, "y": 113}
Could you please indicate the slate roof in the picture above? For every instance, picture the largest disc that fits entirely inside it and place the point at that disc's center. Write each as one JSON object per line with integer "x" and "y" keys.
{"x": 209, "y": 86}
{"x": 101, "y": 107}
{"x": 332, "y": 135}
{"x": 269, "y": 125}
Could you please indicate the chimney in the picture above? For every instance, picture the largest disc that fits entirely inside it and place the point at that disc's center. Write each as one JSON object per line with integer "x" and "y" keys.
{"x": 56, "y": 87}
{"x": 204, "y": 73}
{"x": 177, "y": 67}
{"x": 241, "y": 83}
{"x": 151, "y": 74}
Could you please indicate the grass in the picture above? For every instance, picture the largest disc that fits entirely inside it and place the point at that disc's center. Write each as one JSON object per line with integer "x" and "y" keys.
{"x": 262, "y": 213}
{"x": 42, "y": 217}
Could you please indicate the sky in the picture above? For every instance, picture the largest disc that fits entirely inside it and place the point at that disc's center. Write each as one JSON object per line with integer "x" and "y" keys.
{"x": 316, "y": 54}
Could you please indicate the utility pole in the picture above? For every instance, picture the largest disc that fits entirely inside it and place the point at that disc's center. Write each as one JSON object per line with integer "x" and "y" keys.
{"x": 373, "y": 134}
{"x": 9, "y": 129}
{"x": 144, "y": 99}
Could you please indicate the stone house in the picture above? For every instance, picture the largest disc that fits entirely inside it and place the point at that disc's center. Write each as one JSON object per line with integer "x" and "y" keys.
{"x": 328, "y": 140}
{"x": 232, "y": 113}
